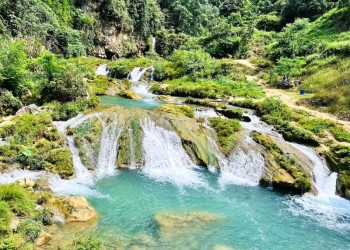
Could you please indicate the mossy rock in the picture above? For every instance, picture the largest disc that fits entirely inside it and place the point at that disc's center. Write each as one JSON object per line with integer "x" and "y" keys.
{"x": 282, "y": 172}
{"x": 130, "y": 94}
{"x": 60, "y": 162}
{"x": 226, "y": 130}
{"x": 177, "y": 109}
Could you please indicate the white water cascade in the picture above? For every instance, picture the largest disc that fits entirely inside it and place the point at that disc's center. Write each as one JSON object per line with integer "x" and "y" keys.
{"x": 154, "y": 41}
{"x": 108, "y": 149}
{"x": 244, "y": 166}
{"x": 138, "y": 87}
{"x": 165, "y": 158}
{"x": 102, "y": 70}
{"x": 16, "y": 174}
{"x": 80, "y": 185}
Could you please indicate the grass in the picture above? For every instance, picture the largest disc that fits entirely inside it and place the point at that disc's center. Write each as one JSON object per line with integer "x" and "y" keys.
{"x": 208, "y": 88}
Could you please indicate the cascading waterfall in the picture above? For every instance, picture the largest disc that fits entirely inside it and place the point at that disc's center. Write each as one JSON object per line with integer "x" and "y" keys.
{"x": 106, "y": 165}
{"x": 17, "y": 174}
{"x": 165, "y": 158}
{"x": 138, "y": 87}
{"x": 154, "y": 41}
{"x": 102, "y": 70}
{"x": 106, "y": 160}
{"x": 244, "y": 166}
{"x": 132, "y": 149}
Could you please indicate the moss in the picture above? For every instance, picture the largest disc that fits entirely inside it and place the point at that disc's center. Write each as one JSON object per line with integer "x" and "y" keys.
{"x": 19, "y": 200}
{"x": 130, "y": 145}
{"x": 130, "y": 95}
{"x": 226, "y": 130}
{"x": 300, "y": 182}
{"x": 177, "y": 109}
{"x": 101, "y": 85}
{"x": 61, "y": 162}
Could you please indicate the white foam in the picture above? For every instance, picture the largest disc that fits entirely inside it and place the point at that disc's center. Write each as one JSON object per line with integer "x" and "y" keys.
{"x": 205, "y": 113}
{"x": 102, "y": 70}
{"x": 16, "y": 174}
{"x": 165, "y": 158}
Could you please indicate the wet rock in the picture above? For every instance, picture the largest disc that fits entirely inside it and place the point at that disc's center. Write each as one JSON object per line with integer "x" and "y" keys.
{"x": 43, "y": 239}
{"x": 73, "y": 209}
{"x": 30, "y": 109}
{"x": 130, "y": 95}
{"x": 26, "y": 183}
{"x": 167, "y": 98}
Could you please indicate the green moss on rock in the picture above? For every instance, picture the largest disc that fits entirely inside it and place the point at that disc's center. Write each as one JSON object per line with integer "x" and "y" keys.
{"x": 283, "y": 172}
{"x": 177, "y": 109}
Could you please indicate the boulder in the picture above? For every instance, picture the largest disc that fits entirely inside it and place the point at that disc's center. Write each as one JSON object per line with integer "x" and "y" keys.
{"x": 43, "y": 239}
{"x": 15, "y": 224}
{"x": 130, "y": 95}
{"x": 30, "y": 109}
{"x": 73, "y": 209}
{"x": 26, "y": 183}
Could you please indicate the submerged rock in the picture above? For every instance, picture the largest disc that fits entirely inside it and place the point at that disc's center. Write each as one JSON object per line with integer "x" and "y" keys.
{"x": 43, "y": 239}
{"x": 130, "y": 95}
{"x": 169, "y": 221}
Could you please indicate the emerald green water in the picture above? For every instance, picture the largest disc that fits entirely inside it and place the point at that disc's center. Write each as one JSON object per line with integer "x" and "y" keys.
{"x": 127, "y": 103}
{"x": 250, "y": 217}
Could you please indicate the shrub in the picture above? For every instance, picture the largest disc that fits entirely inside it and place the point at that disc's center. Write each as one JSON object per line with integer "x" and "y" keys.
{"x": 18, "y": 199}
{"x": 5, "y": 217}
{"x": 8, "y": 103}
{"x": 30, "y": 229}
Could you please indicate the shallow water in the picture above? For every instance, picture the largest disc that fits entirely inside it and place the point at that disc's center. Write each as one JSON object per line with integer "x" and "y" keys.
{"x": 127, "y": 103}
{"x": 250, "y": 217}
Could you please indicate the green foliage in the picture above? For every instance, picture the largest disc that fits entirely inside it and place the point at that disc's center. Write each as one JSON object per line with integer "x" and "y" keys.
{"x": 87, "y": 242}
{"x": 5, "y": 217}
{"x": 293, "y": 67}
{"x": 226, "y": 130}
{"x": 30, "y": 229}
{"x": 167, "y": 42}
{"x": 18, "y": 199}
{"x": 202, "y": 88}
{"x": 269, "y": 22}
{"x": 65, "y": 111}
{"x": 13, "y": 73}
{"x": 8, "y": 103}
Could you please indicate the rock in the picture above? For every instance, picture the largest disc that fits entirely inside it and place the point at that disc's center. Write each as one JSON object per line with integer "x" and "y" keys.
{"x": 26, "y": 183}
{"x": 73, "y": 209}
{"x": 167, "y": 98}
{"x": 30, "y": 109}
{"x": 169, "y": 221}
{"x": 43, "y": 239}
{"x": 130, "y": 95}
{"x": 15, "y": 224}
{"x": 222, "y": 247}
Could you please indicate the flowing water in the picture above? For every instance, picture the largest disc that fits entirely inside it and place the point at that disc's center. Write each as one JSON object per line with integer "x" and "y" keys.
{"x": 102, "y": 70}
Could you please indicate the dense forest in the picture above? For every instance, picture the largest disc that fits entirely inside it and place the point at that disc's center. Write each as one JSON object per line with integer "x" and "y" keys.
{"x": 50, "y": 49}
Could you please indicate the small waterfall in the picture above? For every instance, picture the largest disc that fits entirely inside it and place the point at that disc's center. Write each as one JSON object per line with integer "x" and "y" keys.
{"x": 244, "y": 166}
{"x": 325, "y": 181}
{"x": 165, "y": 158}
{"x": 154, "y": 41}
{"x": 102, "y": 70}
{"x": 132, "y": 149}
{"x": 106, "y": 165}
{"x": 136, "y": 74}
{"x": 205, "y": 113}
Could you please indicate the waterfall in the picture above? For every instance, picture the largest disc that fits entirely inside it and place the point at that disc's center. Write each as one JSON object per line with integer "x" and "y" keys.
{"x": 244, "y": 166}
{"x": 153, "y": 48}
{"x": 132, "y": 149}
{"x": 106, "y": 165}
{"x": 325, "y": 181}
{"x": 165, "y": 158}
{"x": 16, "y": 174}
{"x": 102, "y": 70}
{"x": 136, "y": 74}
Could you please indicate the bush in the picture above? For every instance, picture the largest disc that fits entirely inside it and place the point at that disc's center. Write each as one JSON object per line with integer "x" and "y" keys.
{"x": 269, "y": 23}
{"x": 5, "y": 218}
{"x": 30, "y": 229}
{"x": 8, "y": 103}
{"x": 18, "y": 199}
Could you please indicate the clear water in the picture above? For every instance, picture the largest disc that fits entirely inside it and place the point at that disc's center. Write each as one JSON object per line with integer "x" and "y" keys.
{"x": 127, "y": 103}
{"x": 250, "y": 217}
